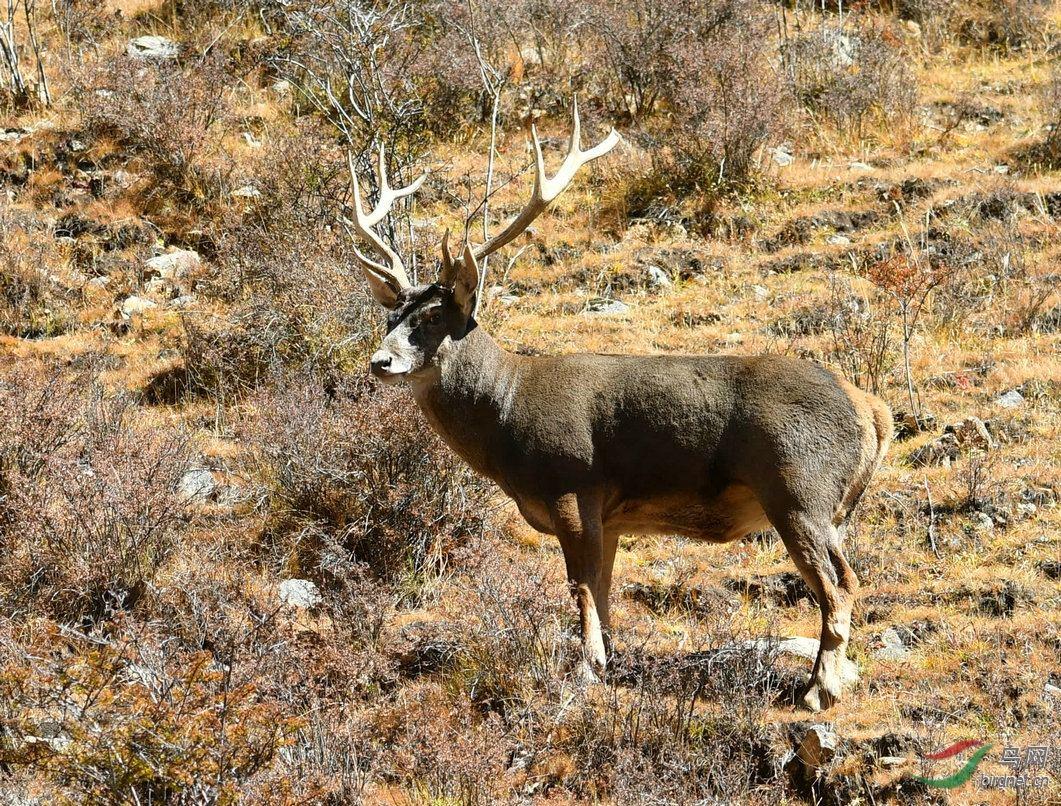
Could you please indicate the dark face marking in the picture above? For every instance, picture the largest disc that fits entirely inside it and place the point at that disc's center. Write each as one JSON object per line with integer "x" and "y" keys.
{"x": 416, "y": 327}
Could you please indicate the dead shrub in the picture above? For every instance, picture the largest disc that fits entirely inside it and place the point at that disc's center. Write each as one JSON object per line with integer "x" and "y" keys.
{"x": 161, "y": 111}
{"x": 709, "y": 69}
{"x": 31, "y": 304}
{"x": 90, "y": 505}
{"x": 360, "y": 466}
{"x": 845, "y": 74}
{"x": 132, "y": 717}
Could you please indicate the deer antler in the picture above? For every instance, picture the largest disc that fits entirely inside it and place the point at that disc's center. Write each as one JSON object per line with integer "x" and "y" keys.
{"x": 392, "y": 275}
{"x": 545, "y": 189}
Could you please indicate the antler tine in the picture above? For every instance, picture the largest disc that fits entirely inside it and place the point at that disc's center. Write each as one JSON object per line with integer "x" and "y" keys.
{"x": 364, "y": 222}
{"x": 546, "y": 190}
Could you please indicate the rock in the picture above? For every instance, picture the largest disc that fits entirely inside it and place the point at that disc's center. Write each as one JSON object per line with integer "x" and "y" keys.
{"x": 859, "y": 166}
{"x": 839, "y": 240}
{"x": 301, "y": 593}
{"x": 781, "y": 156}
{"x": 162, "y": 288}
{"x": 733, "y": 339}
{"x": 761, "y": 292}
{"x": 175, "y": 265}
{"x": 601, "y": 306}
{"x": 972, "y": 433}
{"x": 182, "y": 302}
{"x": 247, "y": 192}
{"x": 657, "y": 278}
{"x": 197, "y": 484}
{"x": 818, "y": 747}
{"x": 11, "y": 134}
{"x": 1010, "y": 400}
{"x": 941, "y": 451}
{"x": 136, "y": 306}
{"x": 983, "y": 522}
{"x": 251, "y": 140}
{"x": 892, "y": 648}
{"x": 152, "y": 48}
{"x": 99, "y": 282}
{"x": 281, "y": 87}
{"x": 812, "y": 752}
{"x": 1052, "y": 691}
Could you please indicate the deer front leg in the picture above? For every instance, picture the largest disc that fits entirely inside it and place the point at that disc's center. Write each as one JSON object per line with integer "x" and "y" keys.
{"x": 577, "y": 520}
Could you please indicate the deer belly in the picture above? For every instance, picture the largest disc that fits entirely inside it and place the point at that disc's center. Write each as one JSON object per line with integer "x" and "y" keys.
{"x": 731, "y": 514}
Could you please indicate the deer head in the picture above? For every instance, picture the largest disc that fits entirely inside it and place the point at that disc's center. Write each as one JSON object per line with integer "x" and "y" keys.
{"x": 422, "y": 319}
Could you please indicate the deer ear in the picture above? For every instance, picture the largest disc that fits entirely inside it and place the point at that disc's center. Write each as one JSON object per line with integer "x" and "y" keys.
{"x": 384, "y": 289}
{"x": 466, "y": 282}
{"x": 461, "y": 275}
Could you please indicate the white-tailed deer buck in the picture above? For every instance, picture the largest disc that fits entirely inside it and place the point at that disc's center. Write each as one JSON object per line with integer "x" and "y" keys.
{"x": 594, "y": 446}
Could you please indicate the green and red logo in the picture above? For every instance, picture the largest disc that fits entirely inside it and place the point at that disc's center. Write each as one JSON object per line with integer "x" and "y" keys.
{"x": 962, "y": 775}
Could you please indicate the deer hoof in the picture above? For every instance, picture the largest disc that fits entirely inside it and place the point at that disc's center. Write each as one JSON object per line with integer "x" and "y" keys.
{"x": 587, "y": 674}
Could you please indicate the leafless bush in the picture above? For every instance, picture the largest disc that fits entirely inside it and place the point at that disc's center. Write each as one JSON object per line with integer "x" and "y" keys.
{"x": 361, "y": 466}
{"x": 32, "y": 304}
{"x": 159, "y": 110}
{"x": 686, "y": 730}
{"x": 18, "y": 36}
{"x": 861, "y": 338}
{"x": 131, "y": 716}
{"x": 844, "y": 73}
{"x": 709, "y": 68}
{"x": 1051, "y": 105}
{"x": 90, "y": 504}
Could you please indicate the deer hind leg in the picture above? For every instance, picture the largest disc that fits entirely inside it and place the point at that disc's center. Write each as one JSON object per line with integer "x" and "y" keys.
{"x": 577, "y": 521}
{"x": 815, "y": 546}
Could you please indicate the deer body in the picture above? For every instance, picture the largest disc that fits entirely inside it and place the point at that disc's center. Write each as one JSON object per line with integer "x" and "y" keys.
{"x": 594, "y": 446}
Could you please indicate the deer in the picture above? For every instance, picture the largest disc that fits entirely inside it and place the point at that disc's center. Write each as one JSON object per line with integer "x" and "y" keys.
{"x": 593, "y": 446}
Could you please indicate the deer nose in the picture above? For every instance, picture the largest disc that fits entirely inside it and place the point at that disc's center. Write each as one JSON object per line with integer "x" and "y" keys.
{"x": 380, "y": 363}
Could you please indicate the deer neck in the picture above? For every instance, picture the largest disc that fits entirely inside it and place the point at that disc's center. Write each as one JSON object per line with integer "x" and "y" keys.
{"x": 469, "y": 395}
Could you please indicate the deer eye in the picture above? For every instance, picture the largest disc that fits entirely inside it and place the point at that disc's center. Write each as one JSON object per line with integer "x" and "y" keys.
{"x": 432, "y": 314}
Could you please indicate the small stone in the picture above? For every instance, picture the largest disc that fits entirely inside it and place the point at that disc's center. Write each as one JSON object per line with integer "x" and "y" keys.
{"x": 601, "y": 306}
{"x": 983, "y": 522}
{"x": 1050, "y": 690}
{"x": 251, "y": 140}
{"x": 247, "y": 192}
{"x": 971, "y": 432}
{"x": 859, "y": 166}
{"x": 182, "y": 302}
{"x": 12, "y": 134}
{"x": 133, "y": 306}
{"x": 301, "y": 593}
{"x": 761, "y": 292}
{"x": 281, "y": 87}
{"x": 839, "y": 240}
{"x": 99, "y": 282}
{"x": 733, "y": 339}
{"x": 892, "y": 649}
{"x": 174, "y": 265}
{"x": 197, "y": 484}
{"x": 657, "y": 278}
{"x": 155, "y": 48}
{"x": 1010, "y": 400}
{"x": 892, "y": 761}
{"x": 818, "y": 748}
{"x": 782, "y": 157}
{"x": 1026, "y": 510}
